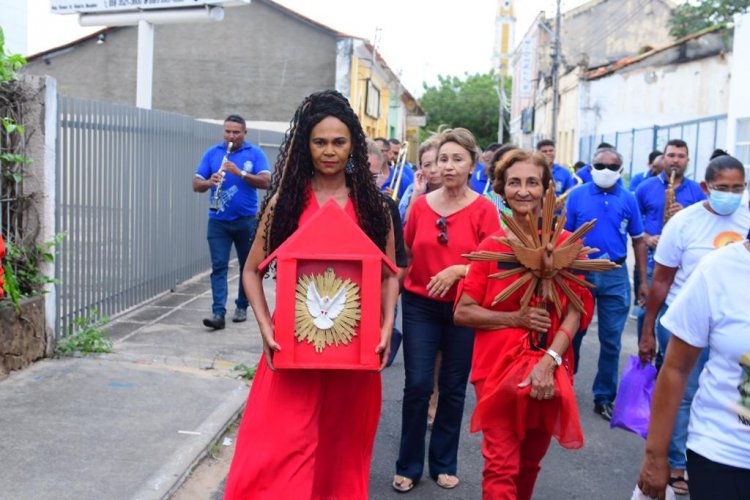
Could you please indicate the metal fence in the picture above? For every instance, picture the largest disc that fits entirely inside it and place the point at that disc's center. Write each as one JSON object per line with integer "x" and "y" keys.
{"x": 133, "y": 226}
{"x": 702, "y": 136}
{"x": 11, "y": 190}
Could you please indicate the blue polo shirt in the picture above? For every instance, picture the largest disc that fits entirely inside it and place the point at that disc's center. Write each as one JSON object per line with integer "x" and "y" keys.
{"x": 564, "y": 180}
{"x": 617, "y": 216}
{"x": 650, "y": 195}
{"x": 407, "y": 179}
{"x": 584, "y": 173}
{"x": 478, "y": 181}
{"x": 636, "y": 180}
{"x": 238, "y": 198}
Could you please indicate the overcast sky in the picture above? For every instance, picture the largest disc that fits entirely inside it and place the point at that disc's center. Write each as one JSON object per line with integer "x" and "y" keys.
{"x": 419, "y": 39}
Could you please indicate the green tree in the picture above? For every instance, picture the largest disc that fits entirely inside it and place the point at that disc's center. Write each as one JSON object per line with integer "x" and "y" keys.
{"x": 693, "y": 16}
{"x": 9, "y": 63}
{"x": 471, "y": 103}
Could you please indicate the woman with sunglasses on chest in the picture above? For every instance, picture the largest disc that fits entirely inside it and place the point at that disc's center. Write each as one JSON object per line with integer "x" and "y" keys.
{"x": 443, "y": 225}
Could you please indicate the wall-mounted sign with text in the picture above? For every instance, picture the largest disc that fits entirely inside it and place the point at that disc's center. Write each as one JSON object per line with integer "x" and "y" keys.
{"x": 104, "y": 6}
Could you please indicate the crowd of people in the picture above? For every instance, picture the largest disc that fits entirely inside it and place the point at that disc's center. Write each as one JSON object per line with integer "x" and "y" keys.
{"x": 459, "y": 226}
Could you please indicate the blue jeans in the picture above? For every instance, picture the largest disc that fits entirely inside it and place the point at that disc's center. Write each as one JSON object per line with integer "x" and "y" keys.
{"x": 428, "y": 328}
{"x": 396, "y": 338}
{"x": 612, "y": 296}
{"x": 221, "y": 234}
{"x": 678, "y": 443}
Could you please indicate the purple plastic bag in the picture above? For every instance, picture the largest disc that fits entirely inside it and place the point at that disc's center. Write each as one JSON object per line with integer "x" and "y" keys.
{"x": 633, "y": 403}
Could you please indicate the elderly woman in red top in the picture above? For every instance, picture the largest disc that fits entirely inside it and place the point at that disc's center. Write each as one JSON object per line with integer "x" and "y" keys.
{"x": 523, "y": 386}
{"x": 443, "y": 225}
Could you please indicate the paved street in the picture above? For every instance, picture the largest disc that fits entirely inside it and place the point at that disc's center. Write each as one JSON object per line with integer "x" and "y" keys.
{"x": 605, "y": 468}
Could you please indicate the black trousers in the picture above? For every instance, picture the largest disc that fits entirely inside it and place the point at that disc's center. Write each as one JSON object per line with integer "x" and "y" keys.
{"x": 710, "y": 480}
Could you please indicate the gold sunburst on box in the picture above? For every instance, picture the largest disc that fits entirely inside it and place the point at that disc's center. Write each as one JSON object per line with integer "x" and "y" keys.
{"x": 327, "y": 310}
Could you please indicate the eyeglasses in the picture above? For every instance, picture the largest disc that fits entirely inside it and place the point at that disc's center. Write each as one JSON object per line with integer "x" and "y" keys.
{"x": 442, "y": 237}
{"x": 729, "y": 189}
{"x": 614, "y": 167}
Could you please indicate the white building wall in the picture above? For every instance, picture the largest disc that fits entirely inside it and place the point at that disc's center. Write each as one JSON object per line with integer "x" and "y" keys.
{"x": 738, "y": 138}
{"x": 657, "y": 96}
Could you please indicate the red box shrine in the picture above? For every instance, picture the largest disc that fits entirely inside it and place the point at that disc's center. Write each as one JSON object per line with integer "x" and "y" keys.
{"x": 328, "y": 286}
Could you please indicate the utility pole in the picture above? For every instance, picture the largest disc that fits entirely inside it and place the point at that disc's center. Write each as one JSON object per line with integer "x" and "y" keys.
{"x": 501, "y": 110}
{"x": 556, "y": 75}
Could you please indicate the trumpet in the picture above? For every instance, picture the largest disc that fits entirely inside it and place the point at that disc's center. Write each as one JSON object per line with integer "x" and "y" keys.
{"x": 669, "y": 199}
{"x": 561, "y": 199}
{"x": 214, "y": 207}
{"x": 398, "y": 170}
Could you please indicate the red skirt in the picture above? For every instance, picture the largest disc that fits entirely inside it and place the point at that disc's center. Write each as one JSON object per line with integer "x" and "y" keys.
{"x": 504, "y": 404}
{"x": 306, "y": 434}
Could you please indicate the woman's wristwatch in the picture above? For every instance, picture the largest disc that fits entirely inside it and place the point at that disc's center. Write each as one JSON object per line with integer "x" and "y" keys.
{"x": 555, "y": 356}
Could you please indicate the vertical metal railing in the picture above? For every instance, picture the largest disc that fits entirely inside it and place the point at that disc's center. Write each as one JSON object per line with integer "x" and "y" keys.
{"x": 133, "y": 227}
{"x": 702, "y": 136}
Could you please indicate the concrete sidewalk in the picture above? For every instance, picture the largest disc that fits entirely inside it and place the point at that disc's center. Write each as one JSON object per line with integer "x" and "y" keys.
{"x": 130, "y": 424}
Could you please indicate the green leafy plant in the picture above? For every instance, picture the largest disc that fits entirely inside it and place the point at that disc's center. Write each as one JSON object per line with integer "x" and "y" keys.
{"x": 244, "y": 371}
{"x": 10, "y": 286}
{"x": 23, "y": 273}
{"x": 693, "y": 16}
{"x": 9, "y": 63}
{"x": 86, "y": 335}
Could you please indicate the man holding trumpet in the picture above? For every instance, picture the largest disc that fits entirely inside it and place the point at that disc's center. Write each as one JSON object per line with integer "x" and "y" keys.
{"x": 232, "y": 170}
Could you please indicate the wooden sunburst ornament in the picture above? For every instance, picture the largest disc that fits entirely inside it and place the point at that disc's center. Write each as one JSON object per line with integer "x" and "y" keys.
{"x": 540, "y": 262}
{"x": 327, "y": 310}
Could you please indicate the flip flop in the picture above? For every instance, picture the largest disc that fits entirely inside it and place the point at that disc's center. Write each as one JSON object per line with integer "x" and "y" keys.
{"x": 447, "y": 481}
{"x": 402, "y": 484}
{"x": 679, "y": 489}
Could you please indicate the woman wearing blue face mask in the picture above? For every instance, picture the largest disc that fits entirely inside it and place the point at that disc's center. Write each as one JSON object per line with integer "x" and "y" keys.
{"x": 690, "y": 235}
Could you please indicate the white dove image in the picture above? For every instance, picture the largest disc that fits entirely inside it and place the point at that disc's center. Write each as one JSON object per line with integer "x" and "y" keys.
{"x": 324, "y": 309}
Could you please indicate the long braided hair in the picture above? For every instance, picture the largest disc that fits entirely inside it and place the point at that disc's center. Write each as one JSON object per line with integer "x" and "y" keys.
{"x": 294, "y": 171}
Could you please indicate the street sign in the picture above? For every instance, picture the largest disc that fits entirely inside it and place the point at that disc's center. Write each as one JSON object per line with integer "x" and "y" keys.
{"x": 105, "y": 6}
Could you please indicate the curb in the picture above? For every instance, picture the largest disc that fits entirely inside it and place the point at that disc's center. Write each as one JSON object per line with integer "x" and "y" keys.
{"x": 164, "y": 482}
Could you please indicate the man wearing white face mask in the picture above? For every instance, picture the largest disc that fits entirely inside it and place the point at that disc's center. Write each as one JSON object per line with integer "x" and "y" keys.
{"x": 690, "y": 235}
{"x": 618, "y": 216}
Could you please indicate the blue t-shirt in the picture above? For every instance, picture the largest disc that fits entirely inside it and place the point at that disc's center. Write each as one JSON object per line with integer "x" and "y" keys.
{"x": 650, "y": 195}
{"x": 407, "y": 179}
{"x": 238, "y": 198}
{"x": 617, "y": 216}
{"x": 478, "y": 181}
{"x": 564, "y": 180}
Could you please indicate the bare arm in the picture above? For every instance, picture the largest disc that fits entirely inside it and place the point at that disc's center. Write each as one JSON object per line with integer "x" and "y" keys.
{"x": 542, "y": 376}
{"x": 261, "y": 180}
{"x": 470, "y": 313}
{"x": 442, "y": 282}
{"x": 203, "y": 185}
{"x": 252, "y": 281}
{"x": 657, "y": 294}
{"x": 670, "y": 387}
{"x": 641, "y": 263}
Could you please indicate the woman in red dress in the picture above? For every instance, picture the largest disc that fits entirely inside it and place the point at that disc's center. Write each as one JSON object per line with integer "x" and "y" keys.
{"x": 519, "y": 407}
{"x": 309, "y": 434}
